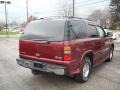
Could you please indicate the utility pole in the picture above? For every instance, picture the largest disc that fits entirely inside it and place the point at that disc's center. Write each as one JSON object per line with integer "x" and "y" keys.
{"x": 6, "y": 18}
{"x": 73, "y": 8}
{"x": 27, "y": 10}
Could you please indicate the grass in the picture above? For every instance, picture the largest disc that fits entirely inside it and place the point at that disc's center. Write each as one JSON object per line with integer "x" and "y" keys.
{"x": 116, "y": 30}
{"x": 9, "y": 33}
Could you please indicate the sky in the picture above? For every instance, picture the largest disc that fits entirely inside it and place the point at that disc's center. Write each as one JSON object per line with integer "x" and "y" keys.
{"x": 45, "y": 8}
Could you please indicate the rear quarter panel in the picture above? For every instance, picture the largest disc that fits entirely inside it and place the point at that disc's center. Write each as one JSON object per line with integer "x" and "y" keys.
{"x": 80, "y": 48}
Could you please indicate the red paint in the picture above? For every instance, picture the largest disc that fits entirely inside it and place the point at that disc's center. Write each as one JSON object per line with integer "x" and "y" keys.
{"x": 53, "y": 52}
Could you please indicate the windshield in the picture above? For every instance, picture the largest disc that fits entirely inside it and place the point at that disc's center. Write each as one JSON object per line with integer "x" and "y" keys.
{"x": 52, "y": 30}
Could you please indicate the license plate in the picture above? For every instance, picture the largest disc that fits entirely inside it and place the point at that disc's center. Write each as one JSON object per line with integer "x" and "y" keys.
{"x": 40, "y": 66}
{"x": 37, "y": 65}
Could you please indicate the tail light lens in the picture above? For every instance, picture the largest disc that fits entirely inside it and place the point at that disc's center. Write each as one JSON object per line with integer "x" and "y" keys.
{"x": 67, "y": 53}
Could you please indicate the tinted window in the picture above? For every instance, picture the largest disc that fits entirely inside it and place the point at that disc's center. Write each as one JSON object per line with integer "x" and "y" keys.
{"x": 77, "y": 30}
{"x": 93, "y": 31}
{"x": 101, "y": 32}
{"x": 52, "y": 30}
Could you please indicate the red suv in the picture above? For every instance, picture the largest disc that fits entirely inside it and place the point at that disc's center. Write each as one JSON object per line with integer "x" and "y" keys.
{"x": 64, "y": 46}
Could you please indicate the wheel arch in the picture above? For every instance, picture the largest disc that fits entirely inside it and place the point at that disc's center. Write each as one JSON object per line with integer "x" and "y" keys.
{"x": 90, "y": 55}
{"x": 112, "y": 46}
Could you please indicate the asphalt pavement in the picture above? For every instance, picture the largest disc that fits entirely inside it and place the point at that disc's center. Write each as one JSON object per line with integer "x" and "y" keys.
{"x": 14, "y": 77}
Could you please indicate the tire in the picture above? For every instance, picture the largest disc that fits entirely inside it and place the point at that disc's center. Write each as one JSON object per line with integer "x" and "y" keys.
{"x": 84, "y": 75}
{"x": 35, "y": 72}
{"x": 110, "y": 55}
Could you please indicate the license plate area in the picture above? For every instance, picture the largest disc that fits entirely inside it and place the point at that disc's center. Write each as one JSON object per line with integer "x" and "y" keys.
{"x": 41, "y": 66}
{"x": 38, "y": 65}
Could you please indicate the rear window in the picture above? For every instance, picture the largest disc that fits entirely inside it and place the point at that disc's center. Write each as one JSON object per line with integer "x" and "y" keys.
{"x": 52, "y": 30}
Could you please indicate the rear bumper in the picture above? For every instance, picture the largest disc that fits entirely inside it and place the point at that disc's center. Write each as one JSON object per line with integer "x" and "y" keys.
{"x": 42, "y": 66}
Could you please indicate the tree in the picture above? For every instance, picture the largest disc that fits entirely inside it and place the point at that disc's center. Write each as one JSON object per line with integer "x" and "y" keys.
{"x": 96, "y": 15}
{"x": 106, "y": 18}
{"x": 2, "y": 25}
{"x": 101, "y": 16}
{"x": 14, "y": 23}
{"x": 32, "y": 18}
{"x": 66, "y": 10}
{"x": 115, "y": 10}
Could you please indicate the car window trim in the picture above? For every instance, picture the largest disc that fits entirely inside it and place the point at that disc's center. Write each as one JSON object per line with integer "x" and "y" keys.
{"x": 102, "y": 30}
{"x": 96, "y": 30}
{"x": 71, "y": 29}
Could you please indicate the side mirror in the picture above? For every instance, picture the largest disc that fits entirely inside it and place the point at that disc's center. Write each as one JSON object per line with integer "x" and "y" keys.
{"x": 109, "y": 34}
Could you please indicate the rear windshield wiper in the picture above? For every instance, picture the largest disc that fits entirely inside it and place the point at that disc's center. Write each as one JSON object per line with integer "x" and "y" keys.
{"x": 41, "y": 40}
{"x": 71, "y": 29}
{"x": 74, "y": 33}
{"x": 45, "y": 41}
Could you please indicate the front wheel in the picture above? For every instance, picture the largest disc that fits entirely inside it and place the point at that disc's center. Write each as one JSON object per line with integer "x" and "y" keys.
{"x": 110, "y": 56}
{"x": 86, "y": 71}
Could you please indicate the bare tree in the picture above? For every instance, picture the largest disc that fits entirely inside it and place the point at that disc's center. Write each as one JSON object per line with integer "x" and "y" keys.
{"x": 14, "y": 23}
{"x": 96, "y": 15}
{"x": 106, "y": 18}
{"x": 102, "y": 16}
{"x": 32, "y": 18}
{"x": 2, "y": 25}
{"x": 65, "y": 10}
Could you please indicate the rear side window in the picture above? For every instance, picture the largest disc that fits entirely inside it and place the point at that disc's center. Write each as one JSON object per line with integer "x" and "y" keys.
{"x": 93, "y": 31}
{"x": 77, "y": 30}
{"x": 101, "y": 32}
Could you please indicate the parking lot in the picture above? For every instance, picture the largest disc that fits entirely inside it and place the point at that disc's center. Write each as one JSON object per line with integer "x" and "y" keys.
{"x": 13, "y": 77}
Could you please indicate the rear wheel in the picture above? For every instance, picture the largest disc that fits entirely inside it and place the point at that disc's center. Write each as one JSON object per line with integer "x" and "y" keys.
{"x": 35, "y": 72}
{"x": 86, "y": 70}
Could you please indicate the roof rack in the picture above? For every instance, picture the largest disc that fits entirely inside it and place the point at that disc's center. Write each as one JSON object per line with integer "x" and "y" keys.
{"x": 83, "y": 18}
{"x": 61, "y": 17}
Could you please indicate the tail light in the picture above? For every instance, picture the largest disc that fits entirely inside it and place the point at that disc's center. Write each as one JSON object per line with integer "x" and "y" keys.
{"x": 67, "y": 53}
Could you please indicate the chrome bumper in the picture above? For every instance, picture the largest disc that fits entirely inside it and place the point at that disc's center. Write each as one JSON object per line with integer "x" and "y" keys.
{"x": 42, "y": 66}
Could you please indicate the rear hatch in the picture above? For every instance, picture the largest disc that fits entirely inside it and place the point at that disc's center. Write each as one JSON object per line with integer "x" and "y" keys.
{"x": 43, "y": 39}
